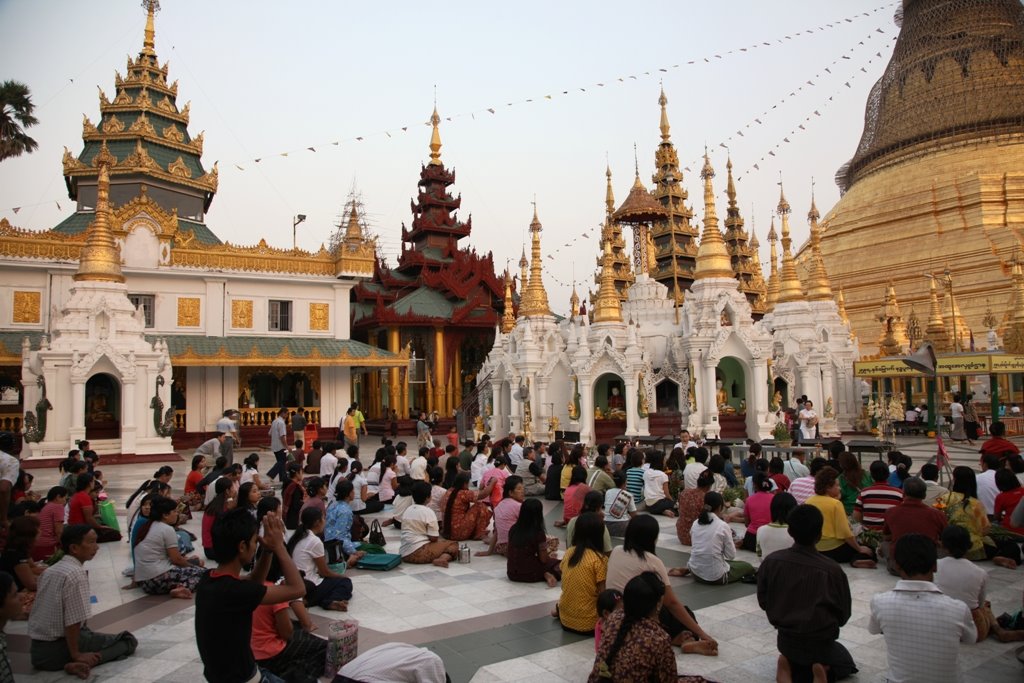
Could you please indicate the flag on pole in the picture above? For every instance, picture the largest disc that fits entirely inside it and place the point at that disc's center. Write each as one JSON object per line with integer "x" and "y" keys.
{"x": 941, "y": 455}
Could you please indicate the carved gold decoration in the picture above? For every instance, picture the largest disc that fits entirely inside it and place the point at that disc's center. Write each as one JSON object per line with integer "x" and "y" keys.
{"x": 178, "y": 168}
{"x": 103, "y": 95}
{"x": 142, "y": 126}
{"x": 319, "y": 317}
{"x": 197, "y": 145}
{"x": 88, "y": 128}
{"x": 113, "y": 125}
{"x": 241, "y": 314}
{"x": 26, "y": 307}
{"x": 123, "y": 98}
{"x": 71, "y": 162}
{"x": 184, "y": 111}
{"x": 375, "y": 359}
{"x": 165, "y": 104}
{"x": 139, "y": 160}
{"x": 188, "y": 311}
{"x": 48, "y": 245}
{"x": 143, "y": 100}
{"x": 171, "y": 132}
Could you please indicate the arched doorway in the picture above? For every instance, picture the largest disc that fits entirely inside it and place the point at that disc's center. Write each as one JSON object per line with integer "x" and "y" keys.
{"x": 731, "y": 397}
{"x": 609, "y": 407}
{"x": 666, "y": 397}
{"x": 102, "y": 407}
{"x": 781, "y": 395}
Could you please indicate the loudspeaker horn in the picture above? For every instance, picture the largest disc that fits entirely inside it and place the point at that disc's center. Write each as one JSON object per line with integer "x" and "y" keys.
{"x": 922, "y": 360}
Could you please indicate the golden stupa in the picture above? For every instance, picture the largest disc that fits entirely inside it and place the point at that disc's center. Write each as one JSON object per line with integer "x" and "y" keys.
{"x": 937, "y": 180}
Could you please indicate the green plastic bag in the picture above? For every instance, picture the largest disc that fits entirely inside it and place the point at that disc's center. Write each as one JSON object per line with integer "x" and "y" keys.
{"x": 108, "y": 516}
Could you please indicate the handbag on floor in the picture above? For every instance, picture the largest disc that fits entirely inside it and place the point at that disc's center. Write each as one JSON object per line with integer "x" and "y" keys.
{"x": 377, "y": 534}
{"x": 334, "y": 552}
{"x": 108, "y": 516}
{"x": 342, "y": 645}
{"x": 381, "y": 563}
{"x": 359, "y": 528}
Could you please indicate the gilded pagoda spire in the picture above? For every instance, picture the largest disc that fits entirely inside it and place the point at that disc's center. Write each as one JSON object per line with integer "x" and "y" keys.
{"x": 789, "y": 285}
{"x": 100, "y": 260}
{"x": 892, "y": 339}
{"x": 609, "y": 196}
{"x": 607, "y": 307}
{"x": 508, "y": 318}
{"x": 574, "y": 303}
{"x": 841, "y": 303}
{"x": 435, "y": 139}
{"x": 935, "y": 331}
{"x": 1013, "y": 338}
{"x": 818, "y": 287}
{"x": 773, "y": 273}
{"x": 742, "y": 251}
{"x": 524, "y": 272}
{"x": 663, "y": 101}
{"x": 611, "y": 230}
{"x": 149, "y": 40}
{"x": 712, "y": 254}
{"x": 353, "y": 231}
{"x": 534, "y": 301}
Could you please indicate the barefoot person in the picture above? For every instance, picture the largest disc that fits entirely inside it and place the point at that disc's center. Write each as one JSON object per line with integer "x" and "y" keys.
{"x": 806, "y": 597}
{"x": 60, "y": 638}
{"x": 421, "y": 541}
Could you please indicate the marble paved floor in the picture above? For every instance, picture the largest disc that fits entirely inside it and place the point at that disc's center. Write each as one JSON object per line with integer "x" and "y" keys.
{"x": 485, "y": 627}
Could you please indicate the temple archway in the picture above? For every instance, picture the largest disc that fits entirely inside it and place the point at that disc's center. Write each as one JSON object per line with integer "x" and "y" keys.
{"x": 666, "y": 397}
{"x": 609, "y": 407}
{"x": 781, "y": 387}
{"x": 731, "y": 397}
{"x": 102, "y": 407}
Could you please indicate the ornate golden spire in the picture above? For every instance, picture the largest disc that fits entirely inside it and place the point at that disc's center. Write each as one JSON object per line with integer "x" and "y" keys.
{"x": 742, "y": 251}
{"x": 524, "y": 276}
{"x": 664, "y": 116}
{"x": 893, "y": 335}
{"x": 535, "y": 299}
{"x": 101, "y": 260}
{"x": 935, "y": 331}
{"x": 1013, "y": 338}
{"x": 612, "y": 231}
{"x": 353, "y": 231}
{"x": 841, "y": 302}
{"x": 818, "y": 287}
{"x": 773, "y": 273}
{"x": 508, "y": 318}
{"x": 609, "y": 196}
{"x": 149, "y": 42}
{"x": 607, "y": 307}
{"x": 789, "y": 286}
{"x": 435, "y": 139}
{"x": 712, "y": 255}
{"x": 574, "y": 303}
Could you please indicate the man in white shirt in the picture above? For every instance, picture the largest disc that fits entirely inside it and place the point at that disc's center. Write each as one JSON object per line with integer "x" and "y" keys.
{"x": 328, "y": 462}
{"x": 685, "y": 442}
{"x": 228, "y": 427}
{"x": 279, "y": 445}
{"x": 922, "y": 627}
{"x": 418, "y": 466}
{"x": 930, "y": 476}
{"x": 9, "y": 468}
{"x": 515, "y": 454}
{"x": 794, "y": 467}
{"x": 987, "y": 489}
{"x": 693, "y": 469}
{"x": 808, "y": 421}
{"x": 401, "y": 460}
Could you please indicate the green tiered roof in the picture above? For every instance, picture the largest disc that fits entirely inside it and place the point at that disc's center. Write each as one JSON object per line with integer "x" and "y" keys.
{"x": 146, "y": 132}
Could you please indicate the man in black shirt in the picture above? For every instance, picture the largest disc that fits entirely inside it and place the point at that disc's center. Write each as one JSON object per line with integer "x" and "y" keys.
{"x": 806, "y": 597}
{"x": 225, "y": 602}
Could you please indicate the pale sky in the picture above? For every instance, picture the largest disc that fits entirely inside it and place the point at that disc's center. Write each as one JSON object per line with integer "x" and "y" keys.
{"x": 266, "y": 78}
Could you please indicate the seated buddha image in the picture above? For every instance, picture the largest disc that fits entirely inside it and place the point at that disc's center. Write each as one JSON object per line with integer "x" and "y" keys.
{"x": 98, "y": 410}
{"x": 616, "y": 406}
{"x": 722, "y": 398}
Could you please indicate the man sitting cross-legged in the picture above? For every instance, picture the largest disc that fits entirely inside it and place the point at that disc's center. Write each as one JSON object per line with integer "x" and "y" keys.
{"x": 60, "y": 638}
{"x": 225, "y": 602}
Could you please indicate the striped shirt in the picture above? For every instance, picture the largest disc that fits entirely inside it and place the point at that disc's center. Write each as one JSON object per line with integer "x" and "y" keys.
{"x": 802, "y": 488}
{"x": 874, "y": 501}
{"x": 635, "y": 482}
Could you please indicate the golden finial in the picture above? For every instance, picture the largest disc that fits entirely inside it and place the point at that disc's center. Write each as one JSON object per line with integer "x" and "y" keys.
{"x": 149, "y": 41}
{"x": 607, "y": 307}
{"x": 435, "y": 139}
{"x": 893, "y": 336}
{"x": 712, "y": 254}
{"x": 773, "y": 276}
{"x": 508, "y": 318}
{"x": 574, "y": 303}
{"x": 523, "y": 272}
{"x": 662, "y": 100}
{"x": 818, "y": 288}
{"x": 789, "y": 285}
{"x": 100, "y": 260}
{"x": 754, "y": 243}
{"x": 609, "y": 196}
{"x": 935, "y": 331}
{"x": 534, "y": 301}
{"x": 841, "y": 302}
{"x": 730, "y": 188}
{"x": 354, "y": 231}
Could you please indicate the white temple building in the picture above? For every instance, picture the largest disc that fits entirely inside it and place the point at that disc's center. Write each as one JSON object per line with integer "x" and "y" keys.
{"x": 647, "y": 365}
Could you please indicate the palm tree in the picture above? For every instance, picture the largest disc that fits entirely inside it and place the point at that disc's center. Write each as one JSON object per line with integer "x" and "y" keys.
{"x": 15, "y": 116}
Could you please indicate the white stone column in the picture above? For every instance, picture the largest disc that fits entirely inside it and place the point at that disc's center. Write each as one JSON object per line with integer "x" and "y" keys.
{"x": 540, "y": 415}
{"x": 77, "y": 431}
{"x": 497, "y": 409}
{"x": 631, "y": 407}
{"x": 828, "y": 390}
{"x": 128, "y": 428}
{"x": 803, "y": 375}
{"x": 757, "y": 401}
{"x": 711, "y": 424}
{"x": 586, "y": 410}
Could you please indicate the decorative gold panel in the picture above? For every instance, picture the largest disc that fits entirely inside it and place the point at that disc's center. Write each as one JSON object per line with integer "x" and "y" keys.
{"x": 319, "y": 317}
{"x": 26, "y": 307}
{"x": 188, "y": 311}
{"x": 241, "y": 314}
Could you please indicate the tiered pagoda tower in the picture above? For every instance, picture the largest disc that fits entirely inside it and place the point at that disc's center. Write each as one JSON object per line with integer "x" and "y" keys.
{"x": 675, "y": 237}
{"x": 153, "y": 151}
{"x": 619, "y": 258}
{"x": 442, "y": 300}
{"x": 743, "y": 253}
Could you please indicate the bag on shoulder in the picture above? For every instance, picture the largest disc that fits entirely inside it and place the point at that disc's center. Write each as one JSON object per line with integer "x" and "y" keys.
{"x": 377, "y": 534}
{"x": 619, "y": 505}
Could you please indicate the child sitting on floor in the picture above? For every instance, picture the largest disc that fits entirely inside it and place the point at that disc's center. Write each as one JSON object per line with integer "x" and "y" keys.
{"x": 607, "y": 602}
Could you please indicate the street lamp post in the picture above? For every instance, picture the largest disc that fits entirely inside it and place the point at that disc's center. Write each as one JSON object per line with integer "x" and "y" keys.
{"x": 295, "y": 224}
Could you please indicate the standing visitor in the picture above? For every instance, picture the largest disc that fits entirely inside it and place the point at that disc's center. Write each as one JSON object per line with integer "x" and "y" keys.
{"x": 956, "y": 411}
{"x": 360, "y": 421}
{"x": 808, "y": 421}
{"x": 227, "y": 426}
{"x": 348, "y": 428}
{"x": 423, "y": 431}
{"x": 971, "y": 422}
{"x": 278, "y": 444}
{"x": 298, "y": 423}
